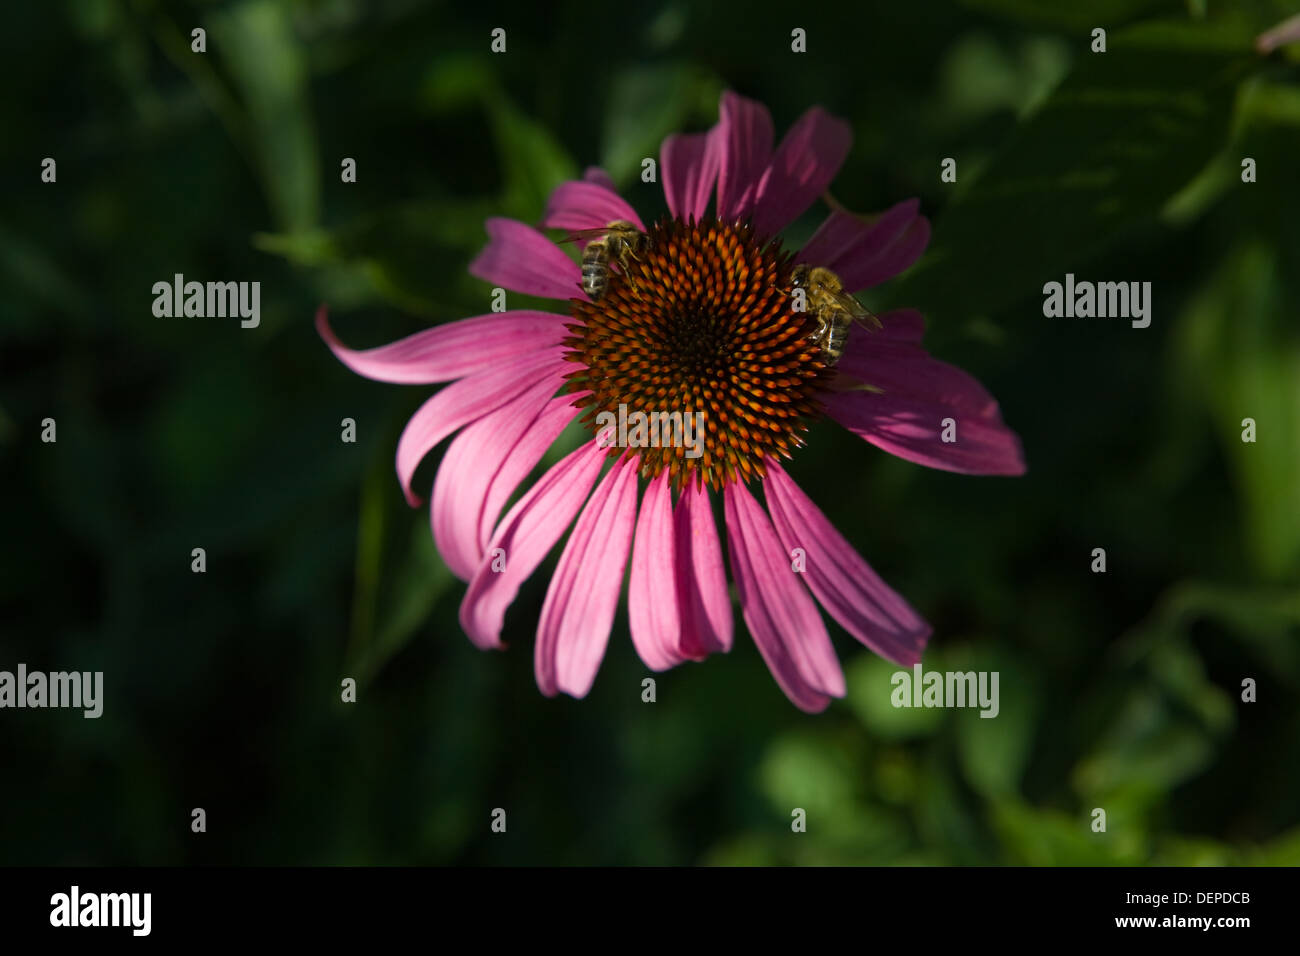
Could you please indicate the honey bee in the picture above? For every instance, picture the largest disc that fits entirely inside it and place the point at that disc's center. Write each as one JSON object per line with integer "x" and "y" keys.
{"x": 834, "y": 309}
{"x": 619, "y": 240}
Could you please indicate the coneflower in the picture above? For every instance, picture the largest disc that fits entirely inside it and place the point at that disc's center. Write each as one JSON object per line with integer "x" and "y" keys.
{"x": 702, "y": 321}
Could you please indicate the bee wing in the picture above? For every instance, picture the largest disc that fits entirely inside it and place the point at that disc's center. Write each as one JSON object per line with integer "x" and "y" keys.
{"x": 860, "y": 313}
{"x": 577, "y": 235}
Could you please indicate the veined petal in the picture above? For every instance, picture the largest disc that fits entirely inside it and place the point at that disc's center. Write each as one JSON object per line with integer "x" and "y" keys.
{"x": 844, "y": 584}
{"x": 689, "y": 166}
{"x": 780, "y": 614}
{"x": 465, "y": 401}
{"x": 911, "y": 430}
{"x": 918, "y": 394}
{"x": 810, "y": 154}
{"x": 582, "y": 205}
{"x": 450, "y": 351}
{"x": 843, "y": 234}
{"x": 583, "y": 594}
{"x": 908, "y": 421}
{"x": 521, "y": 259}
{"x": 745, "y": 128}
{"x": 523, "y": 458}
{"x": 525, "y": 536}
{"x": 701, "y": 577}
{"x": 653, "y": 602}
{"x": 866, "y": 272}
{"x": 466, "y": 474}
{"x": 865, "y": 254}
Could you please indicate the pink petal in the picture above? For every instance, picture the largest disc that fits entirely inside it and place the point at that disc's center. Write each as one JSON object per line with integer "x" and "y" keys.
{"x": 843, "y": 234}
{"x": 583, "y": 596}
{"x": 523, "y": 458}
{"x": 847, "y": 587}
{"x": 521, "y": 259}
{"x": 898, "y": 257}
{"x": 1288, "y": 31}
{"x": 450, "y": 351}
{"x": 526, "y": 534}
{"x": 746, "y": 146}
{"x": 467, "y": 471}
{"x": 865, "y": 254}
{"x": 920, "y": 392}
{"x": 810, "y": 155}
{"x": 653, "y": 603}
{"x": 782, "y": 618}
{"x": 689, "y": 165}
{"x": 578, "y": 205}
{"x": 594, "y": 174}
{"x": 701, "y": 578}
{"x": 465, "y": 401}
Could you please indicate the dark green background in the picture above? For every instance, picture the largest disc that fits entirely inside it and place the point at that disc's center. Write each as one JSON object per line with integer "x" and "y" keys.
{"x": 1119, "y": 691}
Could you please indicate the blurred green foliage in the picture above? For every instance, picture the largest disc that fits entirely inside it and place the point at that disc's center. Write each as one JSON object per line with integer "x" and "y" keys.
{"x": 1120, "y": 691}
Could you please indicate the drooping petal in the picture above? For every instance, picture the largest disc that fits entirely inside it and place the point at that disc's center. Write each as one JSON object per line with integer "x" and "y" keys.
{"x": 523, "y": 458}
{"x": 843, "y": 234}
{"x": 450, "y": 351}
{"x": 745, "y": 128}
{"x": 465, "y": 401}
{"x": 701, "y": 578}
{"x": 780, "y": 614}
{"x": 525, "y": 536}
{"x": 653, "y": 602}
{"x": 922, "y": 399}
{"x": 521, "y": 259}
{"x": 810, "y": 154}
{"x": 864, "y": 273}
{"x": 866, "y": 254}
{"x": 583, "y": 595}
{"x": 466, "y": 474}
{"x": 689, "y": 166}
{"x": 844, "y": 584}
{"x": 582, "y": 205}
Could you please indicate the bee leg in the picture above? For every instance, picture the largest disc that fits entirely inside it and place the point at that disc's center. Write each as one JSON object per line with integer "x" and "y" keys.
{"x": 823, "y": 333}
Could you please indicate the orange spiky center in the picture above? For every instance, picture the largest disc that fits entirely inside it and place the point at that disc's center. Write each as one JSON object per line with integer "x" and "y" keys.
{"x": 700, "y": 321}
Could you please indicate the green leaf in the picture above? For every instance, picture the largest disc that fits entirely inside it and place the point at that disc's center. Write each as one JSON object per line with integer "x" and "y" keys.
{"x": 269, "y": 68}
{"x": 1040, "y": 837}
{"x": 994, "y": 750}
{"x": 1282, "y": 851}
{"x": 1265, "y": 620}
{"x": 396, "y": 588}
{"x": 646, "y": 104}
{"x": 870, "y": 693}
{"x": 1238, "y": 343}
{"x": 390, "y": 252}
{"x": 1120, "y": 136}
{"x": 805, "y": 771}
{"x": 1165, "y": 730}
{"x": 532, "y": 162}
